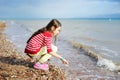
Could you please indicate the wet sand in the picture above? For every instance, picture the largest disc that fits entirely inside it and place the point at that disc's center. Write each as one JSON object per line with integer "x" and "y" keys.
{"x": 13, "y": 66}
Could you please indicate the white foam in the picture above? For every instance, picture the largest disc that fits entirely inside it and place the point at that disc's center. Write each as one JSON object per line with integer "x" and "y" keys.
{"x": 107, "y": 64}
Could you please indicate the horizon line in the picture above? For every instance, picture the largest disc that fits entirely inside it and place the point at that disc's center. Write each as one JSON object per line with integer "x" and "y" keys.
{"x": 55, "y": 18}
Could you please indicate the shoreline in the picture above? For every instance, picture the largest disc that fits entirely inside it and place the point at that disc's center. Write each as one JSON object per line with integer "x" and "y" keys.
{"x": 82, "y": 67}
{"x": 13, "y": 66}
{"x": 101, "y": 61}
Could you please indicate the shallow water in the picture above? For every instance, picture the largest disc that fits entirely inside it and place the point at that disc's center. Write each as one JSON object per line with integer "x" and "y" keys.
{"x": 100, "y": 35}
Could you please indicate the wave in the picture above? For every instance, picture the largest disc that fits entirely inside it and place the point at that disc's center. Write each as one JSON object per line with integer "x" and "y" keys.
{"x": 101, "y": 61}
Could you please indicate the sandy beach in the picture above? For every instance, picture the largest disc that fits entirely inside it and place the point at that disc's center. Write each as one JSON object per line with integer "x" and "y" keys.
{"x": 13, "y": 66}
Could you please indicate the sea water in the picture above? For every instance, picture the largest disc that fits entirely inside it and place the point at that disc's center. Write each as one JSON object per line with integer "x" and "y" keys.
{"x": 102, "y": 36}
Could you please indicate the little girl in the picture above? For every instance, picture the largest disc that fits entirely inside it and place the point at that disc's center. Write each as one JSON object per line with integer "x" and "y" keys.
{"x": 40, "y": 45}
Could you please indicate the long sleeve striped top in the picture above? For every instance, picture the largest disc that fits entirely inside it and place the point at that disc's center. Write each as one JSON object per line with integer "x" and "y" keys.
{"x": 38, "y": 41}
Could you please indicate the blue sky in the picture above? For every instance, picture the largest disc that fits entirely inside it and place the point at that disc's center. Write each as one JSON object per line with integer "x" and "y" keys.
{"x": 59, "y": 9}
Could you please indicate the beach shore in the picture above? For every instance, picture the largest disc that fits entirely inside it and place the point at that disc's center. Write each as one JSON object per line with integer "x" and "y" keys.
{"x": 13, "y": 66}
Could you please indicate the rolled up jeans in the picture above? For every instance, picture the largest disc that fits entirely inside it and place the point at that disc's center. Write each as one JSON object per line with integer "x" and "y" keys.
{"x": 43, "y": 55}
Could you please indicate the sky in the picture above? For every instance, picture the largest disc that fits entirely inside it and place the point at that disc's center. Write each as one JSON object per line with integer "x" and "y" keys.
{"x": 35, "y": 9}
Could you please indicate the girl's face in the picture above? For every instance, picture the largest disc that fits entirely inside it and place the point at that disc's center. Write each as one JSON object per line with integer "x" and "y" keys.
{"x": 56, "y": 31}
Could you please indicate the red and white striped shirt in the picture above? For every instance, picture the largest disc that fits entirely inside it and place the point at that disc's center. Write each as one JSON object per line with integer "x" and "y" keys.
{"x": 38, "y": 41}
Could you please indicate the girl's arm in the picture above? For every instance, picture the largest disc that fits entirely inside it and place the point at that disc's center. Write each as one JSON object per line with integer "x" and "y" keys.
{"x": 48, "y": 40}
{"x": 59, "y": 57}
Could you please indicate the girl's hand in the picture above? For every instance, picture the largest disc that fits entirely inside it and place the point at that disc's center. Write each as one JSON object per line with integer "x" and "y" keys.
{"x": 64, "y": 61}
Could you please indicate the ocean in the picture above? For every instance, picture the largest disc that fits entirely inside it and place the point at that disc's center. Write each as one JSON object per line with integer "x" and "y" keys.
{"x": 100, "y": 36}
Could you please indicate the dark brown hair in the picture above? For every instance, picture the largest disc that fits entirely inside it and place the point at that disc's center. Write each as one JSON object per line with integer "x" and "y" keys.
{"x": 53, "y": 22}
